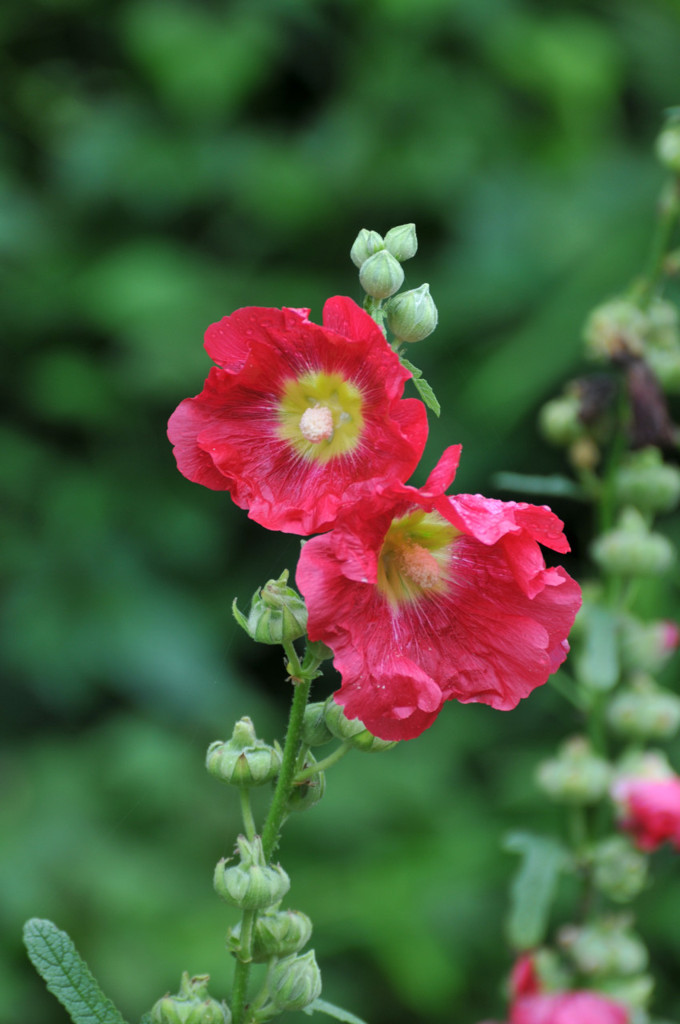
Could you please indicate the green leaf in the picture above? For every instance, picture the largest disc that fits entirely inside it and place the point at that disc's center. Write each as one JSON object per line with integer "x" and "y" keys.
{"x": 597, "y": 665}
{"x": 66, "y": 975}
{"x": 321, "y": 1006}
{"x": 555, "y": 486}
{"x": 423, "y": 388}
{"x": 533, "y": 888}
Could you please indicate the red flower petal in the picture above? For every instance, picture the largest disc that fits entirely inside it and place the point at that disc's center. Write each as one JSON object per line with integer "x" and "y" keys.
{"x": 244, "y": 432}
{"x": 420, "y": 607}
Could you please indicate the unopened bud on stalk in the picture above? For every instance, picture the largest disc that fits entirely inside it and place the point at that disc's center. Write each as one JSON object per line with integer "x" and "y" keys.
{"x": 294, "y": 982}
{"x": 365, "y": 244}
{"x": 277, "y": 613}
{"x": 402, "y": 242}
{"x": 615, "y": 329}
{"x": 647, "y": 482}
{"x": 412, "y": 315}
{"x": 276, "y": 933}
{"x": 308, "y": 792}
{"x": 191, "y": 1005}
{"x": 315, "y": 732}
{"x": 559, "y": 420}
{"x": 381, "y": 275}
{"x": 643, "y": 711}
{"x": 648, "y": 646}
{"x": 606, "y": 947}
{"x": 252, "y": 884}
{"x": 668, "y": 144}
{"x": 244, "y": 760}
{"x": 631, "y": 549}
{"x": 352, "y": 731}
{"x": 619, "y": 869}
{"x": 576, "y": 775}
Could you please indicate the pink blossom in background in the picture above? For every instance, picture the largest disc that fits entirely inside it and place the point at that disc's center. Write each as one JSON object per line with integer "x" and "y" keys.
{"x": 649, "y": 809}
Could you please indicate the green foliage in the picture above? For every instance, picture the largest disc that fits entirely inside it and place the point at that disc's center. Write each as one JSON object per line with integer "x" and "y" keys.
{"x": 165, "y": 163}
{"x": 533, "y": 890}
{"x": 66, "y": 974}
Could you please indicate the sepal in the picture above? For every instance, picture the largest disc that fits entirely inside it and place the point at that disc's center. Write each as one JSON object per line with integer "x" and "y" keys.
{"x": 352, "y": 730}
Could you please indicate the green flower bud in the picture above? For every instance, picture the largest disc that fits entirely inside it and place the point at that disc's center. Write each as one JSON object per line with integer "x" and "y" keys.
{"x": 381, "y": 275}
{"x": 315, "y": 732}
{"x": 402, "y": 242}
{"x": 647, "y": 482}
{"x": 277, "y": 613}
{"x": 276, "y": 933}
{"x": 365, "y": 244}
{"x": 307, "y": 793}
{"x": 634, "y": 993}
{"x": 576, "y": 775}
{"x": 294, "y": 982}
{"x": 244, "y": 760}
{"x": 192, "y": 1005}
{"x": 606, "y": 947}
{"x": 252, "y": 884}
{"x": 665, "y": 364}
{"x": 351, "y": 730}
{"x": 559, "y": 420}
{"x": 614, "y": 329}
{"x": 642, "y": 711}
{"x": 412, "y": 315}
{"x": 668, "y": 146}
{"x": 663, "y": 325}
{"x": 619, "y": 869}
{"x": 632, "y": 549}
{"x": 647, "y": 646}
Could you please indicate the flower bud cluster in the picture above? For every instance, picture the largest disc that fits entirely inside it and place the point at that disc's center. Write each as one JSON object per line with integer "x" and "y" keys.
{"x": 619, "y": 869}
{"x": 606, "y": 947}
{"x": 276, "y": 933}
{"x": 576, "y": 775}
{"x": 252, "y": 884}
{"x": 411, "y": 315}
{"x": 643, "y": 711}
{"x": 191, "y": 1005}
{"x": 244, "y": 760}
{"x": 277, "y": 613}
{"x": 632, "y": 549}
{"x": 647, "y": 483}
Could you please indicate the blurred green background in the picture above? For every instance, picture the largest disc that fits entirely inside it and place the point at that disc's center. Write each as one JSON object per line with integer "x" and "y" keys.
{"x": 164, "y": 162}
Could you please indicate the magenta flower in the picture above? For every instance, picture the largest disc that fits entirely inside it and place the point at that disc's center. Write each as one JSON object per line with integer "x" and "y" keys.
{"x": 568, "y": 1008}
{"x": 425, "y": 598}
{"x": 294, "y": 413}
{"x": 650, "y": 809}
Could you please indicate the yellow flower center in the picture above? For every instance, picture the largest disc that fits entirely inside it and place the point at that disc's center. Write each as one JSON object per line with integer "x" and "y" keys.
{"x": 320, "y": 414}
{"x": 414, "y": 557}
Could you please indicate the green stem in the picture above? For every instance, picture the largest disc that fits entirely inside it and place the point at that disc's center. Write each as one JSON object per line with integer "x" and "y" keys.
{"x": 669, "y": 211}
{"x": 321, "y": 766}
{"x": 241, "y": 976}
{"x": 247, "y": 813}
{"x": 569, "y": 690}
{"x": 302, "y": 681}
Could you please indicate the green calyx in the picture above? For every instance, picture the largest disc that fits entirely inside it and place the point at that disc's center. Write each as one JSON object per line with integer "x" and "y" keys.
{"x": 352, "y": 731}
{"x": 252, "y": 884}
{"x": 244, "y": 760}
{"x": 191, "y": 1005}
{"x": 277, "y": 613}
{"x": 276, "y": 933}
{"x": 412, "y": 315}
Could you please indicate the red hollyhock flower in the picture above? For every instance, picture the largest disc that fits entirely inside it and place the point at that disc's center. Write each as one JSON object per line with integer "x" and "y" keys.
{"x": 294, "y": 413}
{"x": 425, "y": 598}
{"x": 568, "y": 1008}
{"x": 650, "y": 809}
